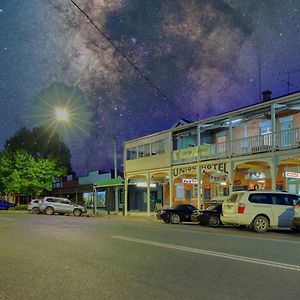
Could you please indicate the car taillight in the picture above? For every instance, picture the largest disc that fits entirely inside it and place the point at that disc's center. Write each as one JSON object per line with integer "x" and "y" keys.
{"x": 241, "y": 208}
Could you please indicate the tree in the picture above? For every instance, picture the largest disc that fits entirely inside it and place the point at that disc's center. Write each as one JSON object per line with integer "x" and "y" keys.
{"x": 21, "y": 173}
{"x": 41, "y": 143}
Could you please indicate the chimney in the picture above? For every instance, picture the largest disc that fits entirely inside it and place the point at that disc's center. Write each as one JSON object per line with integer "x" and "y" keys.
{"x": 266, "y": 95}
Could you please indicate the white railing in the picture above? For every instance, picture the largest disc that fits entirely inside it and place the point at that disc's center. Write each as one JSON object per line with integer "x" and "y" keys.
{"x": 284, "y": 139}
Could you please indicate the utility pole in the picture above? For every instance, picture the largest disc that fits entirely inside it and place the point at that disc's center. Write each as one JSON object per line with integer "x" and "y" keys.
{"x": 116, "y": 176}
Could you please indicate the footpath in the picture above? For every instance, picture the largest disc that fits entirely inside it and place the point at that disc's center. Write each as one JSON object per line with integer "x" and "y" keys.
{"x": 120, "y": 216}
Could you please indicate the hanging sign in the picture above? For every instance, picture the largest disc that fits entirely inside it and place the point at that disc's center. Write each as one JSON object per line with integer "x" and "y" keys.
{"x": 185, "y": 153}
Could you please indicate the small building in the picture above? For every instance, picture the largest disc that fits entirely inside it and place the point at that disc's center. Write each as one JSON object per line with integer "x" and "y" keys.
{"x": 95, "y": 188}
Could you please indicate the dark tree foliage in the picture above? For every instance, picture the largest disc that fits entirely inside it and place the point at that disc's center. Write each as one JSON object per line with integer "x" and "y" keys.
{"x": 41, "y": 143}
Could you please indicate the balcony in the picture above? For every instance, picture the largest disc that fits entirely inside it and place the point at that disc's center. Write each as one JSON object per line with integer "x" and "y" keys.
{"x": 283, "y": 140}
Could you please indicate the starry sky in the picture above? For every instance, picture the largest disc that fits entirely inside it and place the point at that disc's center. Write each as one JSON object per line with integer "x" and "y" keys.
{"x": 201, "y": 54}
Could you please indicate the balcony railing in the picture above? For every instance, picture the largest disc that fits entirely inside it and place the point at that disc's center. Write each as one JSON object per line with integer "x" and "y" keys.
{"x": 282, "y": 140}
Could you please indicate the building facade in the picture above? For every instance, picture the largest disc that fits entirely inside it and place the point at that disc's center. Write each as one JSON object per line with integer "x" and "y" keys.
{"x": 253, "y": 147}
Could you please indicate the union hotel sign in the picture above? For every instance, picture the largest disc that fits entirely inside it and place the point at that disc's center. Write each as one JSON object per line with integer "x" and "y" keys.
{"x": 207, "y": 168}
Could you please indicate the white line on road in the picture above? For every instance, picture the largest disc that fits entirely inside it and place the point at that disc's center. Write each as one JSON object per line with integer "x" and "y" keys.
{"x": 212, "y": 253}
{"x": 5, "y": 218}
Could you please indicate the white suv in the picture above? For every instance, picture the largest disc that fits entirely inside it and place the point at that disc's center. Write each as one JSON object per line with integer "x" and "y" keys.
{"x": 260, "y": 209}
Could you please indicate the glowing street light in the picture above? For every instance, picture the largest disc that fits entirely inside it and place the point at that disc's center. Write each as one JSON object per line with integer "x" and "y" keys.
{"x": 61, "y": 114}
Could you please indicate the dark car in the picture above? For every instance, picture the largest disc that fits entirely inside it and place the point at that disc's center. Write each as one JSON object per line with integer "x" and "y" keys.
{"x": 181, "y": 213}
{"x": 210, "y": 216}
{"x": 5, "y": 205}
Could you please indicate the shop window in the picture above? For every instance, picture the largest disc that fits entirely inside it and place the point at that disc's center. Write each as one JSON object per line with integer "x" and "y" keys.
{"x": 179, "y": 191}
{"x": 195, "y": 190}
{"x": 188, "y": 195}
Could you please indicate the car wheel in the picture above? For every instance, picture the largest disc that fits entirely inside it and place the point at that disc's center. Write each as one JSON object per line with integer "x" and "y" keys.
{"x": 167, "y": 220}
{"x": 35, "y": 210}
{"x": 49, "y": 211}
{"x": 261, "y": 224}
{"x": 77, "y": 212}
{"x": 214, "y": 221}
{"x": 175, "y": 219}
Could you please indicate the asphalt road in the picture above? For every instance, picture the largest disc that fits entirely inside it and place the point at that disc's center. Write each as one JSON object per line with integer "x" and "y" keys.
{"x": 64, "y": 257}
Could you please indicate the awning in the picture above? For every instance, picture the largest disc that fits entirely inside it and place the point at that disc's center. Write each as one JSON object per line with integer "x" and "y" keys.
{"x": 110, "y": 182}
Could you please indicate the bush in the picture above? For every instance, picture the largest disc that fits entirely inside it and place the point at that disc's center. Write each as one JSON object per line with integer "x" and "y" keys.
{"x": 19, "y": 207}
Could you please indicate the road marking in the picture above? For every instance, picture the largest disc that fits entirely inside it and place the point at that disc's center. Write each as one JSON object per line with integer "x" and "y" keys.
{"x": 5, "y": 218}
{"x": 227, "y": 234}
{"x": 212, "y": 253}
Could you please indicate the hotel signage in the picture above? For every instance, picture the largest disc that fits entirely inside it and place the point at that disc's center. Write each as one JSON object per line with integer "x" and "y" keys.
{"x": 205, "y": 168}
{"x": 185, "y": 153}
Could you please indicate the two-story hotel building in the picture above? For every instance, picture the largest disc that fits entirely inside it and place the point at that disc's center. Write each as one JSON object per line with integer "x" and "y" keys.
{"x": 257, "y": 146}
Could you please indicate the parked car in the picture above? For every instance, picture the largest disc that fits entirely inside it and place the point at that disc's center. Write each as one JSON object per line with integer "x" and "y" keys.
{"x": 210, "y": 216}
{"x": 181, "y": 213}
{"x": 33, "y": 206}
{"x": 296, "y": 221}
{"x": 51, "y": 205}
{"x": 260, "y": 210}
{"x": 5, "y": 205}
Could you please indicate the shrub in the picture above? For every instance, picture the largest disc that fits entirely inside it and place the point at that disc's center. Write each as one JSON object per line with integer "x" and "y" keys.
{"x": 19, "y": 207}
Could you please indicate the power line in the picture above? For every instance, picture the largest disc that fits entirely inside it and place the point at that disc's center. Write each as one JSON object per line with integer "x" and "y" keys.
{"x": 137, "y": 69}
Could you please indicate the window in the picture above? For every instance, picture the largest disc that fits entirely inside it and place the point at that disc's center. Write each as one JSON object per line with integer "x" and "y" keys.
{"x": 158, "y": 147}
{"x": 154, "y": 149}
{"x": 140, "y": 151}
{"x": 161, "y": 147}
{"x": 67, "y": 202}
{"x": 179, "y": 191}
{"x": 265, "y": 131}
{"x": 147, "y": 150}
{"x": 260, "y": 198}
{"x": 294, "y": 199}
{"x": 232, "y": 198}
{"x": 282, "y": 199}
{"x": 50, "y": 200}
{"x": 132, "y": 153}
{"x": 195, "y": 190}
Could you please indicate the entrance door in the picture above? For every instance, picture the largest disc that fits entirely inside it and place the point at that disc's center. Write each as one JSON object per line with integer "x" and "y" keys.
{"x": 286, "y": 124}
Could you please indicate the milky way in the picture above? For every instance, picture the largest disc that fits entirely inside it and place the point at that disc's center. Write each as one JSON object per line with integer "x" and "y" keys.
{"x": 203, "y": 55}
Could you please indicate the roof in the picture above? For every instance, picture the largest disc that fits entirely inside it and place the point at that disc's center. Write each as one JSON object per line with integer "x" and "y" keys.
{"x": 110, "y": 182}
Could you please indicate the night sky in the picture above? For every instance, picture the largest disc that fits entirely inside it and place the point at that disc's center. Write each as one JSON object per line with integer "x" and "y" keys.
{"x": 203, "y": 55}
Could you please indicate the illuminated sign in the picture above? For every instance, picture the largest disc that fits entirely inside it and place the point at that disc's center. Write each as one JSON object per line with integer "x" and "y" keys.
{"x": 292, "y": 175}
{"x": 190, "y": 180}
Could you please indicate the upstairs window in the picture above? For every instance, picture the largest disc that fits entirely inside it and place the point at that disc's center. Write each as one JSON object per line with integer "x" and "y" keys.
{"x": 140, "y": 151}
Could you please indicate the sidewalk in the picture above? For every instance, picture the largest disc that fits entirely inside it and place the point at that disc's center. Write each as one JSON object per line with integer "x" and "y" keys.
{"x": 119, "y": 216}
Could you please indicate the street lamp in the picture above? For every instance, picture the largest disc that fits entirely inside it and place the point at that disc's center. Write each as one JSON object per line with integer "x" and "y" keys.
{"x": 61, "y": 114}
